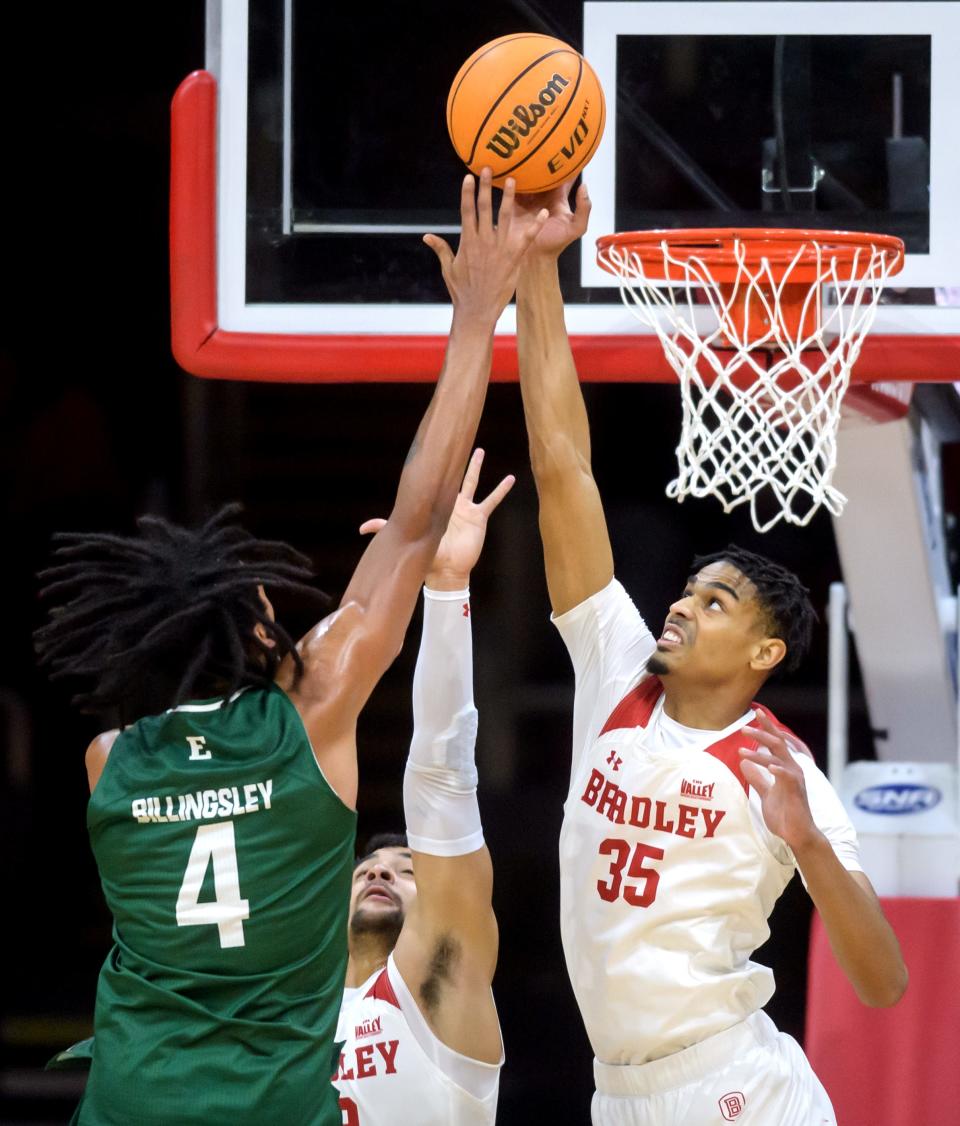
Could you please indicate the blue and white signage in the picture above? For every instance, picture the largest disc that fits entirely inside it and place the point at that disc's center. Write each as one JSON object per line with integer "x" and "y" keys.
{"x": 897, "y": 798}
{"x": 892, "y": 799}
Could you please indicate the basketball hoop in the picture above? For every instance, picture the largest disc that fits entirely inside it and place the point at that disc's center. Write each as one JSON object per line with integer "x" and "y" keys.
{"x": 762, "y": 328}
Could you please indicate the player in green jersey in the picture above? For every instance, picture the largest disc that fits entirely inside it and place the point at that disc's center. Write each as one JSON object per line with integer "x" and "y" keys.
{"x": 225, "y": 854}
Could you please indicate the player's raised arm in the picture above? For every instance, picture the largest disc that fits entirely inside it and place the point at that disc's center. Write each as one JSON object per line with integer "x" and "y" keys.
{"x": 576, "y": 545}
{"x": 346, "y": 654}
{"x": 447, "y": 950}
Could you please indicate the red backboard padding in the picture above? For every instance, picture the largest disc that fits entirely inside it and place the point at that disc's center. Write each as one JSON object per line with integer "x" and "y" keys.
{"x": 898, "y": 1066}
{"x": 201, "y": 347}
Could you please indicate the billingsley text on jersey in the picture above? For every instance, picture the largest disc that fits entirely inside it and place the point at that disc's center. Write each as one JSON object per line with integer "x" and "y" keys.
{"x": 204, "y": 805}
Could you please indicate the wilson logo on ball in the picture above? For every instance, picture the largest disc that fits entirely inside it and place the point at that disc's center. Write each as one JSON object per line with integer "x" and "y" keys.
{"x": 507, "y": 138}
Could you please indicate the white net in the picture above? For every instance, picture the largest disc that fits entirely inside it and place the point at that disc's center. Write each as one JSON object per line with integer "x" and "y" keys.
{"x": 762, "y": 383}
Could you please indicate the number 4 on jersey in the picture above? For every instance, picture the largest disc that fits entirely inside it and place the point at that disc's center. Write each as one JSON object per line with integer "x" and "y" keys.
{"x": 216, "y": 844}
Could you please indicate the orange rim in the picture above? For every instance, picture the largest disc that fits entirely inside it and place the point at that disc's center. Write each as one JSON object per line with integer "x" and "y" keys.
{"x": 780, "y": 248}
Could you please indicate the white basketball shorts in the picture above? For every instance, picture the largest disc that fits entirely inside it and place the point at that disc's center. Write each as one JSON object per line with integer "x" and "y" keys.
{"x": 750, "y": 1074}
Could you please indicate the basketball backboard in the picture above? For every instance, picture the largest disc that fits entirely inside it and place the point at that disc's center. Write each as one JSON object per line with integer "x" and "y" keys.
{"x": 312, "y": 156}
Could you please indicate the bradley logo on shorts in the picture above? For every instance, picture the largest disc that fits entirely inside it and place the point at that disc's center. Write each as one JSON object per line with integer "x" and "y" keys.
{"x": 732, "y": 1105}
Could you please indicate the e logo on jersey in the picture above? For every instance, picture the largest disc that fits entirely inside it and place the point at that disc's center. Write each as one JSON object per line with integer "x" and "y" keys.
{"x": 732, "y": 1105}
{"x": 198, "y": 751}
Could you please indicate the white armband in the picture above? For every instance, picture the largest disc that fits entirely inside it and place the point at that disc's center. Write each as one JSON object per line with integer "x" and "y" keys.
{"x": 440, "y": 781}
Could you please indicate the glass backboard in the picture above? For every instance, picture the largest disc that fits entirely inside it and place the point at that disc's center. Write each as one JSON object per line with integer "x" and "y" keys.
{"x": 330, "y": 159}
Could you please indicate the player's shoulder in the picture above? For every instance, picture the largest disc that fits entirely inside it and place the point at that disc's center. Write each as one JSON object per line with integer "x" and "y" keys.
{"x": 604, "y": 609}
{"x": 102, "y": 744}
{"x": 321, "y": 650}
{"x": 97, "y": 754}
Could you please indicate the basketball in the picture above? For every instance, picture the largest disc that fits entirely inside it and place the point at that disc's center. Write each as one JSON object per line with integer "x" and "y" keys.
{"x": 528, "y": 106}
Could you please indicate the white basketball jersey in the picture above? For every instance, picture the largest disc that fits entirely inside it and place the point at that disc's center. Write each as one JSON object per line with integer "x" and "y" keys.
{"x": 394, "y": 1070}
{"x": 668, "y": 873}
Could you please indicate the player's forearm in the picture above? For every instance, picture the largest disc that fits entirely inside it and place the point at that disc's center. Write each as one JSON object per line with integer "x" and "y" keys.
{"x": 862, "y": 940}
{"x": 444, "y": 716}
{"x": 434, "y": 466}
{"x": 576, "y": 546}
{"x": 553, "y": 404}
{"x": 440, "y": 781}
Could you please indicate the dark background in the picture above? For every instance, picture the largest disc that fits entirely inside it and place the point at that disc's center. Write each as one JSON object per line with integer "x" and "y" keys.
{"x": 99, "y": 425}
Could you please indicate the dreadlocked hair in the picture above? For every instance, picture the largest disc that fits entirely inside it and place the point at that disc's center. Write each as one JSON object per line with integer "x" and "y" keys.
{"x": 784, "y": 600}
{"x": 167, "y": 615}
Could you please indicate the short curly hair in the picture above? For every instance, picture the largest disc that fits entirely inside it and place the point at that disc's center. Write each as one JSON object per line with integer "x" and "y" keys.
{"x": 783, "y": 599}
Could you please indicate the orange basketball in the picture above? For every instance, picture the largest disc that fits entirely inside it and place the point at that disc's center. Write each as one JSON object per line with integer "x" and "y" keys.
{"x": 527, "y": 106}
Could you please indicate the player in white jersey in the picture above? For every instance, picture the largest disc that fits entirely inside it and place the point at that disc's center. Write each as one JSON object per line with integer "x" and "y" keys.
{"x": 689, "y": 806}
{"x": 422, "y": 1041}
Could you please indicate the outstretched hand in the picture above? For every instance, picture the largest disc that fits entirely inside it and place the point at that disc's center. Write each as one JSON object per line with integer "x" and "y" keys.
{"x": 778, "y": 779}
{"x": 563, "y": 225}
{"x": 463, "y": 540}
{"x": 482, "y": 276}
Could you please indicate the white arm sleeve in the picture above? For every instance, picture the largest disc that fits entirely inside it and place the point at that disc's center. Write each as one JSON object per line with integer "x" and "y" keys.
{"x": 440, "y": 781}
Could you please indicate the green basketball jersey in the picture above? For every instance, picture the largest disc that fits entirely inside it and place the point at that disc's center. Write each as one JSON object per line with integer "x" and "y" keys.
{"x": 226, "y": 860}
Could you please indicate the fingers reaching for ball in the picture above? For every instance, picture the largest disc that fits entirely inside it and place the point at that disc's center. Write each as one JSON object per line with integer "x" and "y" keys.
{"x": 482, "y": 276}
